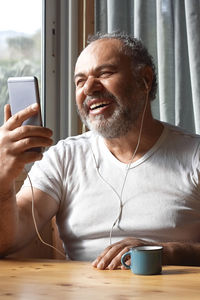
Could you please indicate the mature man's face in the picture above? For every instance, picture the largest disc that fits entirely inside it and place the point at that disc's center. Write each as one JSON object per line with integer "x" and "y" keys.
{"x": 107, "y": 96}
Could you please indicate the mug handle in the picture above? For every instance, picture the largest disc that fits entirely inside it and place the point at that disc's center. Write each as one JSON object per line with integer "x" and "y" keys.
{"x": 123, "y": 259}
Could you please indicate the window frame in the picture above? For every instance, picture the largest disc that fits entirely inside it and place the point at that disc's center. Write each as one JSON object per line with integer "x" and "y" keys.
{"x": 60, "y": 51}
{"x": 67, "y": 25}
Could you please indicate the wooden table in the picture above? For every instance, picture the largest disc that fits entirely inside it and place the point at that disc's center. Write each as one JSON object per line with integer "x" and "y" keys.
{"x": 53, "y": 279}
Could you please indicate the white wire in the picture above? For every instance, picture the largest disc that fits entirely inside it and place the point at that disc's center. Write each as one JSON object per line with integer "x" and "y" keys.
{"x": 128, "y": 168}
{"x": 119, "y": 196}
{"x": 34, "y": 220}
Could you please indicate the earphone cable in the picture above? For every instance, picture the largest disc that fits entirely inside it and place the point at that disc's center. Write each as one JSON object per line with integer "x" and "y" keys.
{"x": 119, "y": 196}
{"x": 127, "y": 170}
{"x": 34, "y": 220}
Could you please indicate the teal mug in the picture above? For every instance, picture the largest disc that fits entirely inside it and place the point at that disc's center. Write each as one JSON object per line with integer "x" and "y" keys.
{"x": 145, "y": 260}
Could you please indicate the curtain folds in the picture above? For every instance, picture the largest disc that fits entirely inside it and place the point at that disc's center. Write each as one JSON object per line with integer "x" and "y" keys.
{"x": 170, "y": 29}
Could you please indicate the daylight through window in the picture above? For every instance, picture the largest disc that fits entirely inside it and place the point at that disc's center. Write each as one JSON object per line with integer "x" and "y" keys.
{"x": 20, "y": 42}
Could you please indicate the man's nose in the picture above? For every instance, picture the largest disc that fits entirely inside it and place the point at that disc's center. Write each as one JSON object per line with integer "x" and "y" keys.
{"x": 92, "y": 85}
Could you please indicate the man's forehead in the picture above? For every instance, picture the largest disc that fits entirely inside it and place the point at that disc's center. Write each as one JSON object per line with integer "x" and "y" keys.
{"x": 99, "y": 51}
{"x": 103, "y": 43}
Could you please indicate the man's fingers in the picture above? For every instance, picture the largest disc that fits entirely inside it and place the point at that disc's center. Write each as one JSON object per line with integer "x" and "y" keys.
{"x": 17, "y": 119}
{"x": 31, "y": 142}
{"x": 116, "y": 261}
{"x": 26, "y": 137}
{"x": 128, "y": 262}
{"x": 99, "y": 258}
{"x": 29, "y": 131}
{"x": 106, "y": 258}
{"x": 7, "y": 112}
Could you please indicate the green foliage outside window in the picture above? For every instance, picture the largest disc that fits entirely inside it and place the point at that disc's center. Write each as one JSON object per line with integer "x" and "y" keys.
{"x": 21, "y": 56}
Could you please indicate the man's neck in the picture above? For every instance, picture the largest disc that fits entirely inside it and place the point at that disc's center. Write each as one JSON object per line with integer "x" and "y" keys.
{"x": 124, "y": 147}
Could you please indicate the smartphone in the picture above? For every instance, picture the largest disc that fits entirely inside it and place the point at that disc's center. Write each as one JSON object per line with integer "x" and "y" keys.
{"x": 24, "y": 91}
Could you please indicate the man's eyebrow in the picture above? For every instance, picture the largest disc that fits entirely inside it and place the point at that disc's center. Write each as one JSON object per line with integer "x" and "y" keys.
{"x": 79, "y": 75}
{"x": 99, "y": 68}
{"x": 105, "y": 66}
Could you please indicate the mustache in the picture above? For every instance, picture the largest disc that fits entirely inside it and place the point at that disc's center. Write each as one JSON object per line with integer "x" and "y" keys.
{"x": 99, "y": 95}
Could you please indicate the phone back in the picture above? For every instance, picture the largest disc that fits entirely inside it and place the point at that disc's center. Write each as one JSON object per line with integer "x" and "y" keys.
{"x": 23, "y": 91}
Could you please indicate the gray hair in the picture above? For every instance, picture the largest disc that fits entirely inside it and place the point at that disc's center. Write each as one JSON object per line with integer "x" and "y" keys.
{"x": 137, "y": 52}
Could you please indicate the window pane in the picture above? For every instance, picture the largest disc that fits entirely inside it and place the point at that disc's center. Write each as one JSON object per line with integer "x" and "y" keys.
{"x": 20, "y": 42}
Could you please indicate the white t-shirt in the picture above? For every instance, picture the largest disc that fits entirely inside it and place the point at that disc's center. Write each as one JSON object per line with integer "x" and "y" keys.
{"x": 161, "y": 196}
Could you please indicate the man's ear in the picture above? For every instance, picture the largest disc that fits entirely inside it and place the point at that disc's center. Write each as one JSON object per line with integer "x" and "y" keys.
{"x": 147, "y": 77}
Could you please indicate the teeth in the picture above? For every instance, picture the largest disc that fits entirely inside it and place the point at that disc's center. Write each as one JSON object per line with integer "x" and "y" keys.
{"x": 93, "y": 106}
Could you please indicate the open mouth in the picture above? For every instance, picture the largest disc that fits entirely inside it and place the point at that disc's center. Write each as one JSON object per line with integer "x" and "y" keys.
{"x": 99, "y": 105}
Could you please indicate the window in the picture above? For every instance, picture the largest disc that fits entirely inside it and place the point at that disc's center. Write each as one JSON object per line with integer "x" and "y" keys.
{"x": 20, "y": 42}
{"x": 43, "y": 38}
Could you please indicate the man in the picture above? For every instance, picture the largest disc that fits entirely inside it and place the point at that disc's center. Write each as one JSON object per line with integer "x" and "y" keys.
{"x": 131, "y": 180}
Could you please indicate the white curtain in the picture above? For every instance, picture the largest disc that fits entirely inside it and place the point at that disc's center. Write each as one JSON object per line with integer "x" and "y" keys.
{"x": 170, "y": 29}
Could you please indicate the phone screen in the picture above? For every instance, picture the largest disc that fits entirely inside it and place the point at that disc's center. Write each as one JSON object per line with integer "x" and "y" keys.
{"x": 23, "y": 91}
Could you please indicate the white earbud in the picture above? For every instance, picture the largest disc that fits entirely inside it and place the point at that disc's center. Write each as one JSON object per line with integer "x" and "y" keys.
{"x": 146, "y": 85}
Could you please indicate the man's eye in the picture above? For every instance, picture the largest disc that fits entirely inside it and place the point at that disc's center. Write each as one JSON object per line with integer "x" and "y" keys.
{"x": 80, "y": 82}
{"x": 106, "y": 74}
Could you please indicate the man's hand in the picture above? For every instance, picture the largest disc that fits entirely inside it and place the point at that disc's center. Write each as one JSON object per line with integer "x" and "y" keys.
{"x": 110, "y": 258}
{"x": 174, "y": 253}
{"x": 16, "y": 139}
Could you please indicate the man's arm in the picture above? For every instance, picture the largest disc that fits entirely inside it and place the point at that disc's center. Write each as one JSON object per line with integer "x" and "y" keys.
{"x": 15, "y": 215}
{"x": 181, "y": 253}
{"x": 174, "y": 253}
{"x": 16, "y": 221}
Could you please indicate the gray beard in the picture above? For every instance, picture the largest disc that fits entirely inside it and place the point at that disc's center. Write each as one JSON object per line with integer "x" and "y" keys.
{"x": 119, "y": 124}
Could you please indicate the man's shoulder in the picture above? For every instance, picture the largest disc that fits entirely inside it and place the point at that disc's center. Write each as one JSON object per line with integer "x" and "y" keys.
{"x": 81, "y": 140}
{"x": 181, "y": 141}
{"x": 179, "y": 131}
